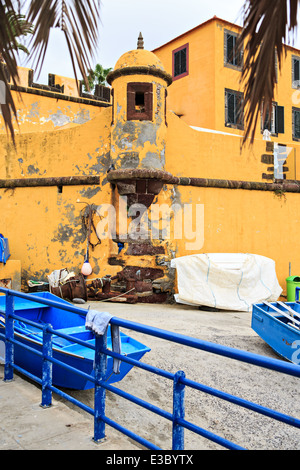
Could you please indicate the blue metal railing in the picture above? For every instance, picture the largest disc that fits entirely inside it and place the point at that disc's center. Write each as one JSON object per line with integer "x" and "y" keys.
{"x": 100, "y": 364}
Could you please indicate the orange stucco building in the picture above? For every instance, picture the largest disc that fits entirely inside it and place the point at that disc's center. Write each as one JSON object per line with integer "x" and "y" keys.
{"x": 200, "y": 95}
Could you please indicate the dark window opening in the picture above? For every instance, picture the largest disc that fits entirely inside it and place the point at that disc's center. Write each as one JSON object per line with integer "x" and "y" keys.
{"x": 234, "y": 109}
{"x": 139, "y": 101}
{"x": 180, "y": 61}
{"x": 279, "y": 119}
{"x": 59, "y": 189}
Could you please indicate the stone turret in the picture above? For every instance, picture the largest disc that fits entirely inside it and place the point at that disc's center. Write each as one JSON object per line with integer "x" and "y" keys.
{"x": 138, "y": 128}
{"x": 138, "y": 136}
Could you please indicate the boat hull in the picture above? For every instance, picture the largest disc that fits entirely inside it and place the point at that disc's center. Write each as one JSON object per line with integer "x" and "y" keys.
{"x": 67, "y": 351}
{"x": 274, "y": 329}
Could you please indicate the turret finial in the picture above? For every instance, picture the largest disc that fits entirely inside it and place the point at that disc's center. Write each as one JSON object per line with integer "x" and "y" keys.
{"x": 140, "y": 43}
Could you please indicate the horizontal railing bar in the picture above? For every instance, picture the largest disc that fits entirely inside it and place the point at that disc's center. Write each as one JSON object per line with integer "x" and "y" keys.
{"x": 76, "y": 340}
{"x": 242, "y": 402}
{"x": 208, "y": 435}
{"x": 42, "y": 300}
{"x": 129, "y": 433}
{"x": 25, "y": 320}
{"x": 56, "y": 361}
{"x": 72, "y": 400}
{"x": 141, "y": 365}
{"x": 168, "y": 415}
{"x": 217, "y": 393}
{"x": 71, "y": 369}
{"x": 238, "y": 354}
{"x": 232, "y": 353}
{"x": 138, "y": 401}
{"x": 25, "y": 346}
{"x": 49, "y": 329}
{"x": 28, "y": 374}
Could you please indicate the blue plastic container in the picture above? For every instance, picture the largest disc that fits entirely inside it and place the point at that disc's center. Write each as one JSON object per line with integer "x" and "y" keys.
{"x": 4, "y": 249}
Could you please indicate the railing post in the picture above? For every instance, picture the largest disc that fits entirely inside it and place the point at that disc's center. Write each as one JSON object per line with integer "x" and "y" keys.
{"x": 178, "y": 411}
{"x": 100, "y": 392}
{"x": 9, "y": 335}
{"x": 47, "y": 368}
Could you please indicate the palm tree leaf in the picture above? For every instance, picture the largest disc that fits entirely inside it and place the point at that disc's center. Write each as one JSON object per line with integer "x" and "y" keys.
{"x": 78, "y": 19}
{"x": 266, "y": 27}
{"x": 8, "y": 61}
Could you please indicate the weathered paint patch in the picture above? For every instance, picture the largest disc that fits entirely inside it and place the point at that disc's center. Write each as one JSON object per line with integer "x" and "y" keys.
{"x": 32, "y": 170}
{"x": 90, "y": 192}
{"x": 152, "y": 160}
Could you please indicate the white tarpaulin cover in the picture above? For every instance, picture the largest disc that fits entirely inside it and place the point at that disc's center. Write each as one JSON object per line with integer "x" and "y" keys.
{"x": 230, "y": 281}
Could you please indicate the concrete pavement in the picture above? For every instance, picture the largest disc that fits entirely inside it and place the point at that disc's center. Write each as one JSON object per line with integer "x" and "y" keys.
{"x": 25, "y": 425}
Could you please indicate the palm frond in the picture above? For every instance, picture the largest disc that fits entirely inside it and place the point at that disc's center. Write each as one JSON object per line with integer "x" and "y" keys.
{"x": 79, "y": 21}
{"x": 266, "y": 28}
{"x": 8, "y": 60}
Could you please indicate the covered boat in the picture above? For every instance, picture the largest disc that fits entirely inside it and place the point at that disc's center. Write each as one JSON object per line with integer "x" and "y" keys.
{"x": 278, "y": 324}
{"x": 65, "y": 350}
{"x": 227, "y": 281}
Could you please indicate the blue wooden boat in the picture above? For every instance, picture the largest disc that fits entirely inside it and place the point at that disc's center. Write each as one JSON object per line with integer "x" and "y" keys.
{"x": 278, "y": 324}
{"x": 65, "y": 350}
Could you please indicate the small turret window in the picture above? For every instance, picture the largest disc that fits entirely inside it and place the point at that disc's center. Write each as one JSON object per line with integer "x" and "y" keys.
{"x": 139, "y": 101}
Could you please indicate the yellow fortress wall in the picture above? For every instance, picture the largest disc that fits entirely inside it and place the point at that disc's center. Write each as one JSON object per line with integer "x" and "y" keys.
{"x": 96, "y": 153}
{"x": 50, "y": 107}
{"x": 43, "y": 223}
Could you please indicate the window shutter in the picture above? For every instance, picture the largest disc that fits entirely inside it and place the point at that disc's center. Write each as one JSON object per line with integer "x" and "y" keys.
{"x": 279, "y": 120}
{"x": 231, "y": 108}
{"x": 145, "y": 90}
{"x": 240, "y": 57}
{"x": 267, "y": 123}
{"x": 234, "y": 109}
{"x": 295, "y": 72}
{"x": 183, "y": 61}
{"x": 240, "y": 110}
{"x": 229, "y": 48}
{"x": 276, "y": 66}
{"x": 180, "y": 62}
{"x": 176, "y": 64}
{"x": 296, "y": 115}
